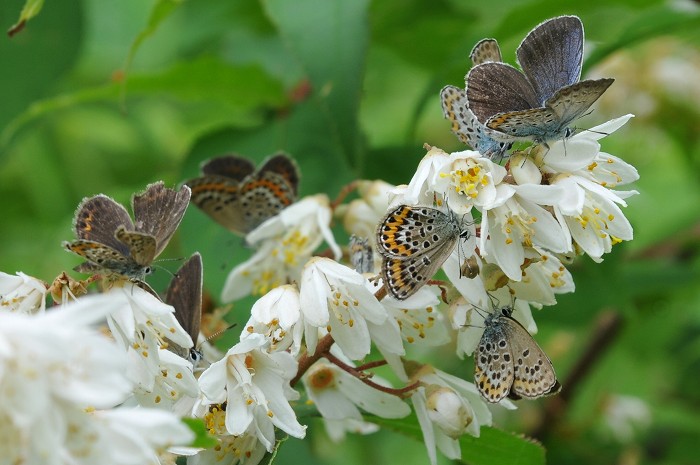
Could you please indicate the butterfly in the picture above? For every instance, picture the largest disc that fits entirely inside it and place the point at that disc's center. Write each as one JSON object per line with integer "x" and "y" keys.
{"x": 361, "y": 254}
{"x": 185, "y": 295}
{"x": 508, "y": 361}
{"x": 540, "y": 102}
{"x": 111, "y": 242}
{"x": 239, "y": 198}
{"x": 465, "y": 126}
{"x": 414, "y": 242}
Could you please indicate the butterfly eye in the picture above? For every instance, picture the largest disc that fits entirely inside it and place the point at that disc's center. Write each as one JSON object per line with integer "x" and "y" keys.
{"x": 147, "y": 270}
{"x": 195, "y": 356}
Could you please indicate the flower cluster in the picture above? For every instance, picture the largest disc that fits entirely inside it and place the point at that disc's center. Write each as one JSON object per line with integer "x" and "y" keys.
{"x": 62, "y": 383}
{"x": 501, "y": 232}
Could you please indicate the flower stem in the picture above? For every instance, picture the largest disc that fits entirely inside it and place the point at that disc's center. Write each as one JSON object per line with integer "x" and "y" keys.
{"x": 305, "y": 362}
{"x": 365, "y": 378}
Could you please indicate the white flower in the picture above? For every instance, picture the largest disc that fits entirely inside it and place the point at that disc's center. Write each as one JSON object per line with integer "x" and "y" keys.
{"x": 418, "y": 317}
{"x": 587, "y": 206}
{"x": 448, "y": 407}
{"x": 519, "y": 220}
{"x": 277, "y": 316}
{"x": 283, "y": 244}
{"x": 54, "y": 370}
{"x": 126, "y": 436}
{"x": 337, "y": 395}
{"x": 469, "y": 179}
{"x": 542, "y": 279}
{"x": 593, "y": 219}
{"x": 576, "y": 153}
{"x": 22, "y": 293}
{"x": 421, "y": 187}
{"x": 174, "y": 382}
{"x": 362, "y": 215}
{"x": 339, "y": 299}
{"x": 244, "y": 449}
{"x": 141, "y": 326}
{"x": 255, "y": 386}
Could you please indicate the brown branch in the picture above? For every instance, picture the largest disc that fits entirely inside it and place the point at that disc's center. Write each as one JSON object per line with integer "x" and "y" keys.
{"x": 607, "y": 327}
{"x": 370, "y": 365}
{"x": 305, "y": 362}
{"x": 401, "y": 392}
{"x": 344, "y": 192}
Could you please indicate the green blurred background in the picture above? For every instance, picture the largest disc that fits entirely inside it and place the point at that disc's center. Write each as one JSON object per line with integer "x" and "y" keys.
{"x": 106, "y": 97}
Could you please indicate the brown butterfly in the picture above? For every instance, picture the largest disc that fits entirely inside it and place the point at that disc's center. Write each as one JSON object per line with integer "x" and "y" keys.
{"x": 239, "y": 198}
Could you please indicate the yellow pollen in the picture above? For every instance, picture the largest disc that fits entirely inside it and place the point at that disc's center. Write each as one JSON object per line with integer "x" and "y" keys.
{"x": 249, "y": 329}
{"x": 509, "y": 240}
{"x": 275, "y": 322}
{"x": 429, "y": 309}
{"x": 270, "y": 414}
{"x": 615, "y": 240}
{"x": 592, "y": 166}
{"x": 145, "y": 353}
{"x": 249, "y": 401}
{"x": 178, "y": 376}
{"x": 172, "y": 330}
{"x": 596, "y": 211}
{"x": 157, "y": 399}
{"x": 351, "y": 322}
{"x": 410, "y": 340}
{"x": 611, "y": 217}
{"x": 610, "y": 161}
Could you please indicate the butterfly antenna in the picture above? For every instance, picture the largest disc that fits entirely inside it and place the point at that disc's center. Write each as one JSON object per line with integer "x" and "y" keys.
{"x": 219, "y": 332}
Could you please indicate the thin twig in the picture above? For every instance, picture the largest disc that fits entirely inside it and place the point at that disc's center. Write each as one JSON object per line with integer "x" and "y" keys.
{"x": 305, "y": 362}
{"x": 401, "y": 392}
{"x": 344, "y": 192}
{"x": 370, "y": 365}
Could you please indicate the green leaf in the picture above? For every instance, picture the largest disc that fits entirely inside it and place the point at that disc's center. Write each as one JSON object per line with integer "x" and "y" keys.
{"x": 203, "y": 80}
{"x": 651, "y": 23}
{"x": 161, "y": 10}
{"x": 329, "y": 38}
{"x": 30, "y": 10}
{"x": 202, "y": 438}
{"x": 493, "y": 447}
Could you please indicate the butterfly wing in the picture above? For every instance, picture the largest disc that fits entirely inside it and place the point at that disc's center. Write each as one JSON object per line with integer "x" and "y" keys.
{"x": 408, "y": 231}
{"x": 285, "y": 167}
{"x": 231, "y": 166}
{"x": 218, "y": 197}
{"x": 142, "y": 246}
{"x": 533, "y": 373}
{"x": 185, "y": 295}
{"x": 100, "y": 257}
{"x": 96, "y": 220}
{"x": 404, "y": 276}
{"x": 158, "y": 212}
{"x": 493, "y": 361}
{"x": 484, "y": 51}
{"x": 466, "y": 127}
{"x": 551, "y": 55}
{"x": 571, "y": 102}
{"x": 537, "y": 123}
{"x": 494, "y": 88}
{"x": 262, "y": 196}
